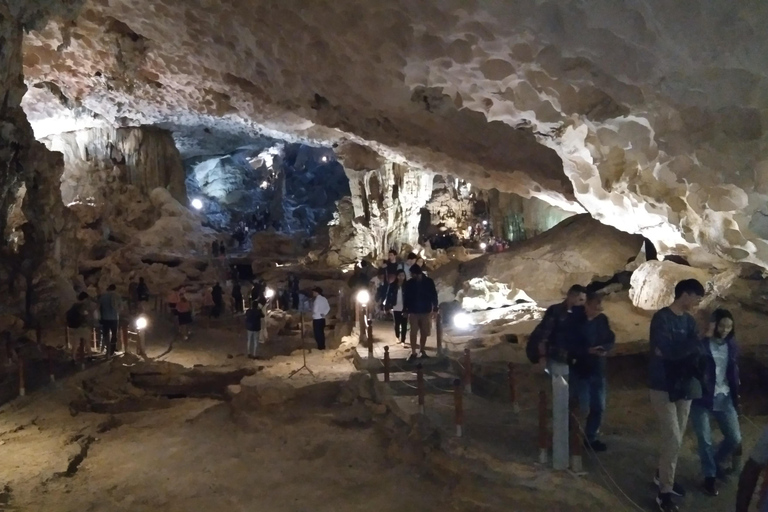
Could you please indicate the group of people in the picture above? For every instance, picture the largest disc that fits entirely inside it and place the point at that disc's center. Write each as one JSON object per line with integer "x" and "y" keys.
{"x": 410, "y": 296}
{"x": 690, "y": 373}
{"x": 103, "y": 314}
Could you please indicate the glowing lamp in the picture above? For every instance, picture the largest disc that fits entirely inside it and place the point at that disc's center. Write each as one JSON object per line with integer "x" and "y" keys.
{"x": 485, "y": 223}
{"x": 363, "y": 297}
{"x": 462, "y": 321}
{"x": 269, "y": 293}
{"x": 483, "y": 245}
{"x": 197, "y": 204}
{"x": 141, "y": 323}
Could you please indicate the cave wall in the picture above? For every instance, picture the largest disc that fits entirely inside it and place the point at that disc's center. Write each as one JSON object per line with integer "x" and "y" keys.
{"x": 516, "y": 218}
{"x": 34, "y": 262}
{"x": 449, "y": 206}
{"x": 145, "y": 157}
{"x": 384, "y": 207}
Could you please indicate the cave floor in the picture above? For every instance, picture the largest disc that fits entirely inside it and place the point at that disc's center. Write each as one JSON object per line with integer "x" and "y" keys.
{"x": 198, "y": 455}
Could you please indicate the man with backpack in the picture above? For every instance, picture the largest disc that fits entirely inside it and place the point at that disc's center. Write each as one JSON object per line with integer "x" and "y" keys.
{"x": 78, "y": 322}
{"x": 552, "y": 339}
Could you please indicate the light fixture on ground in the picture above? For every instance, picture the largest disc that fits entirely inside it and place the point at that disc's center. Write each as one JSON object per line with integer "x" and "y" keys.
{"x": 141, "y": 323}
{"x": 363, "y": 297}
{"x": 269, "y": 293}
{"x": 462, "y": 321}
{"x": 485, "y": 223}
{"x": 483, "y": 245}
{"x": 197, "y": 204}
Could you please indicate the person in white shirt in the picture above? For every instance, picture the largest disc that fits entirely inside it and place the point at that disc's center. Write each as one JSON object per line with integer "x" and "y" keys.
{"x": 394, "y": 302}
{"x": 320, "y": 309}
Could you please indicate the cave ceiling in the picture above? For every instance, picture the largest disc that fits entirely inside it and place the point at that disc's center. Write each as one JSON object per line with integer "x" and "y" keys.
{"x": 648, "y": 115}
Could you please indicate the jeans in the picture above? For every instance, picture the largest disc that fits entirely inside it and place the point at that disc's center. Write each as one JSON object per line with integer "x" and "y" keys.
{"x": 109, "y": 343}
{"x": 728, "y": 421}
{"x": 672, "y": 419}
{"x": 401, "y": 325}
{"x": 253, "y": 342}
{"x": 590, "y": 392}
{"x": 318, "y": 327}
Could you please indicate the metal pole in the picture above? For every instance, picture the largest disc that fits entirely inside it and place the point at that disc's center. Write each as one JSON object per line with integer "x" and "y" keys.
{"x": 386, "y": 363}
{"x": 543, "y": 434}
{"x": 512, "y": 389}
{"x": 22, "y": 388}
{"x": 420, "y": 386}
{"x": 560, "y": 450}
{"x": 439, "y": 333}
{"x": 51, "y": 374}
{"x": 575, "y": 441}
{"x": 66, "y": 336}
{"x": 369, "y": 330}
{"x": 458, "y": 401}
{"x": 467, "y": 372}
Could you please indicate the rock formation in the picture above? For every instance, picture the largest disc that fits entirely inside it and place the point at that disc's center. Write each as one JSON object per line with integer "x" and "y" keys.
{"x": 576, "y": 251}
{"x": 144, "y": 157}
{"x": 618, "y": 109}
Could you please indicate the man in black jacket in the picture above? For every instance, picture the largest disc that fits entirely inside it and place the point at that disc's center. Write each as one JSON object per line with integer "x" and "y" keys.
{"x": 594, "y": 339}
{"x": 420, "y": 304}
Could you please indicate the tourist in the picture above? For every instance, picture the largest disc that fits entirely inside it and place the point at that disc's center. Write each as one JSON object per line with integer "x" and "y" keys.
{"x": 674, "y": 349}
{"x": 420, "y": 305}
{"x": 207, "y": 309}
{"x": 215, "y": 248}
{"x": 217, "y": 294}
{"x": 253, "y": 317}
{"x": 293, "y": 288}
{"x": 553, "y": 330}
{"x": 257, "y": 292}
{"x": 237, "y": 297}
{"x": 587, "y": 371}
{"x": 109, "y": 314}
{"x": 78, "y": 321}
{"x": 320, "y": 309}
{"x": 755, "y": 466}
{"x": 222, "y": 249}
{"x": 391, "y": 264}
{"x": 394, "y": 303}
{"x": 720, "y": 398}
{"x": 172, "y": 299}
{"x": 410, "y": 261}
{"x": 142, "y": 290}
{"x": 184, "y": 309}
{"x": 133, "y": 296}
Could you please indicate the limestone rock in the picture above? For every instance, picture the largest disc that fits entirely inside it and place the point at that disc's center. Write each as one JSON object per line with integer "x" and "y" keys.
{"x": 576, "y": 251}
{"x": 653, "y": 283}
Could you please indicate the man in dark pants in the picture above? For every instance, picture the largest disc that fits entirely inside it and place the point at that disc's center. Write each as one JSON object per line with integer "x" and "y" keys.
{"x": 420, "y": 304}
{"x": 320, "y": 309}
{"x": 109, "y": 313}
{"x": 594, "y": 340}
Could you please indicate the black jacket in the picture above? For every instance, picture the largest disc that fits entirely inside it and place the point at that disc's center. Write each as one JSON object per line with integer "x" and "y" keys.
{"x": 589, "y": 334}
{"x": 253, "y": 318}
{"x": 420, "y": 296}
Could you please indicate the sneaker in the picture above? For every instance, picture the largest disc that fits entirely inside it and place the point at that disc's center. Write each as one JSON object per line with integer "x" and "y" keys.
{"x": 665, "y": 503}
{"x": 411, "y": 357}
{"x": 710, "y": 487}
{"x": 423, "y": 355}
{"x": 596, "y": 446}
{"x": 677, "y": 489}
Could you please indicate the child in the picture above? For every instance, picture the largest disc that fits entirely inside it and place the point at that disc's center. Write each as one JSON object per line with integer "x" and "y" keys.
{"x": 253, "y": 316}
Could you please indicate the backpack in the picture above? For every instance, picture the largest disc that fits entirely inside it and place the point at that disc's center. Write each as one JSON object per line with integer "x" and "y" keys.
{"x": 535, "y": 339}
{"x": 75, "y": 317}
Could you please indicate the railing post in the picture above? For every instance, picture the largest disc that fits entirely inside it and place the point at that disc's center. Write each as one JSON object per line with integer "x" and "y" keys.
{"x": 22, "y": 386}
{"x": 66, "y": 337}
{"x": 420, "y": 386}
{"x": 369, "y": 334}
{"x": 575, "y": 443}
{"x": 467, "y": 372}
{"x": 81, "y": 353}
{"x": 124, "y": 337}
{"x": 513, "y": 389}
{"x": 439, "y": 333}
{"x": 94, "y": 339}
{"x": 543, "y": 433}
{"x": 39, "y": 333}
{"x": 386, "y": 364}
{"x": 51, "y": 373}
{"x": 458, "y": 401}
{"x": 361, "y": 323}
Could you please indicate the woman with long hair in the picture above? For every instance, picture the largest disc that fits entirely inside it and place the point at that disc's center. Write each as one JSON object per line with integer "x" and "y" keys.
{"x": 393, "y": 301}
{"x": 720, "y": 399}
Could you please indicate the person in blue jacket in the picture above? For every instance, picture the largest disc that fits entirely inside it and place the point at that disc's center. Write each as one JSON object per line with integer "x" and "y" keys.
{"x": 720, "y": 399}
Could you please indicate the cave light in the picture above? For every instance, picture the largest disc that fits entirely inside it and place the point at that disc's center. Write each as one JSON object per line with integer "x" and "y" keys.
{"x": 363, "y": 297}
{"x": 141, "y": 322}
{"x": 264, "y": 184}
{"x": 269, "y": 293}
{"x": 462, "y": 321}
{"x": 324, "y": 159}
{"x": 485, "y": 223}
{"x": 483, "y": 245}
{"x": 197, "y": 204}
